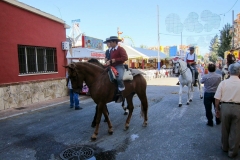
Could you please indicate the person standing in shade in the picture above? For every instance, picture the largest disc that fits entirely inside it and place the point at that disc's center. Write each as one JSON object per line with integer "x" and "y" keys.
{"x": 228, "y": 93}
{"x": 211, "y": 82}
{"x": 74, "y": 97}
{"x": 118, "y": 56}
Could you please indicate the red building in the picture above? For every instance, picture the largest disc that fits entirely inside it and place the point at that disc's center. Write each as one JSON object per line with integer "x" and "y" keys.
{"x": 30, "y": 43}
{"x": 31, "y": 55}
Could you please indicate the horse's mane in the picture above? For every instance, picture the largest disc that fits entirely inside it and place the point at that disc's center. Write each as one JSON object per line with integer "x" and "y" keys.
{"x": 88, "y": 64}
{"x": 94, "y": 60}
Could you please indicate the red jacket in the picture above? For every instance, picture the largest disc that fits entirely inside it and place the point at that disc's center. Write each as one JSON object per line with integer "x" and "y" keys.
{"x": 119, "y": 55}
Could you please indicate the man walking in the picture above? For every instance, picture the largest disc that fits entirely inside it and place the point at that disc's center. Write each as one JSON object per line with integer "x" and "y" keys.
{"x": 211, "y": 82}
{"x": 228, "y": 93}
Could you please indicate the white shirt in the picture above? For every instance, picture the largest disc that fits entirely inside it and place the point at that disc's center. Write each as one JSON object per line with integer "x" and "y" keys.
{"x": 69, "y": 82}
{"x": 191, "y": 57}
{"x": 229, "y": 90}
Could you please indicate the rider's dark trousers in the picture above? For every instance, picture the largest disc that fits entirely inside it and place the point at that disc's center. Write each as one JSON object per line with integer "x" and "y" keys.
{"x": 208, "y": 101}
{"x": 196, "y": 71}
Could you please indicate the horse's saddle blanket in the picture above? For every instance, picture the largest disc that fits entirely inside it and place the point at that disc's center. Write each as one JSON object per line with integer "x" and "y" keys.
{"x": 128, "y": 74}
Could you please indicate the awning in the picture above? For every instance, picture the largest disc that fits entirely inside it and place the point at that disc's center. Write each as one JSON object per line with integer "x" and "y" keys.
{"x": 86, "y": 53}
{"x": 131, "y": 52}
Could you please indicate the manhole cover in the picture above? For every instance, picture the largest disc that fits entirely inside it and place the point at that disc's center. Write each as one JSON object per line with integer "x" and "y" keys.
{"x": 77, "y": 153}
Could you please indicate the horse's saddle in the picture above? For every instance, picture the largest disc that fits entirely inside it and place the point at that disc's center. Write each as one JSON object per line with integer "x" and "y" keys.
{"x": 128, "y": 74}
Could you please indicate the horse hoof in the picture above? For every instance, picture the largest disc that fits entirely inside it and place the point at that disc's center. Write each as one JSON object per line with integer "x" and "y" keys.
{"x": 201, "y": 97}
{"x": 110, "y": 131}
{"x": 190, "y": 100}
{"x": 187, "y": 103}
{"x": 180, "y": 105}
{"x": 93, "y": 138}
{"x": 125, "y": 113}
{"x": 126, "y": 127}
{"x": 144, "y": 124}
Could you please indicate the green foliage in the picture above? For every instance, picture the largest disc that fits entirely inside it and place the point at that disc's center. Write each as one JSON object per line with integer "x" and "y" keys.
{"x": 143, "y": 46}
{"x": 225, "y": 40}
{"x": 214, "y": 47}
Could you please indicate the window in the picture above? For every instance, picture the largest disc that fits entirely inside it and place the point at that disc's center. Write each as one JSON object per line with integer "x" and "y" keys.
{"x": 34, "y": 60}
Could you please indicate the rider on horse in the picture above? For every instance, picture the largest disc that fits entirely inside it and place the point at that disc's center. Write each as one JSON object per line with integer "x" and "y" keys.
{"x": 191, "y": 60}
{"x": 118, "y": 56}
{"x": 231, "y": 58}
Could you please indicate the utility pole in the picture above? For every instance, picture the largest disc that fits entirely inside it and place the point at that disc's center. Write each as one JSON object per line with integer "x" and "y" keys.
{"x": 158, "y": 39}
{"x": 181, "y": 45}
{"x": 233, "y": 28}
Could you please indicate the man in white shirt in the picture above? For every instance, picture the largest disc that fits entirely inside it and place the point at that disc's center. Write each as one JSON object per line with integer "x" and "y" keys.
{"x": 191, "y": 60}
{"x": 228, "y": 92}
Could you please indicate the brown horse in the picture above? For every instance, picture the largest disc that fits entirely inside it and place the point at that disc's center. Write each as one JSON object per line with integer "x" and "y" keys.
{"x": 102, "y": 90}
{"x": 95, "y": 61}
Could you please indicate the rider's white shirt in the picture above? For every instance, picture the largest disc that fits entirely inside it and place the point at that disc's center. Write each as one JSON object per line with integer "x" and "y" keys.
{"x": 191, "y": 57}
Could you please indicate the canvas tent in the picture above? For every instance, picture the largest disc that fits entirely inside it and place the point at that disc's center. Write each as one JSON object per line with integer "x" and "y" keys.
{"x": 133, "y": 53}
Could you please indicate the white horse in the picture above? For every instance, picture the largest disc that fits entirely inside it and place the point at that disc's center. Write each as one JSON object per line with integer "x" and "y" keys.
{"x": 186, "y": 78}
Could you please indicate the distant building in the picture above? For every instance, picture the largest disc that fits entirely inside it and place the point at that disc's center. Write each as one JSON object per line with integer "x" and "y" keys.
{"x": 237, "y": 31}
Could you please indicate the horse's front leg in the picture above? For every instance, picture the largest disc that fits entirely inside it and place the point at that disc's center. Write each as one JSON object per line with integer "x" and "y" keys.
{"x": 98, "y": 119}
{"x": 200, "y": 89}
{"x": 105, "y": 112}
{"x": 180, "y": 95}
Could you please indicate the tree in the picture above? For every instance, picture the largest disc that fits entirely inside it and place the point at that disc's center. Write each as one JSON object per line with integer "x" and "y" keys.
{"x": 143, "y": 46}
{"x": 225, "y": 40}
{"x": 214, "y": 47}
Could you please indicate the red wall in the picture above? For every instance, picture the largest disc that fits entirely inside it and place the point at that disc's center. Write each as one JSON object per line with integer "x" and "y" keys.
{"x": 19, "y": 26}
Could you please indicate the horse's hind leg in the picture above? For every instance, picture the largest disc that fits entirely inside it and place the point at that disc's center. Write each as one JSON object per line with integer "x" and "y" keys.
{"x": 130, "y": 107}
{"x": 200, "y": 89}
{"x": 125, "y": 108}
{"x": 144, "y": 107}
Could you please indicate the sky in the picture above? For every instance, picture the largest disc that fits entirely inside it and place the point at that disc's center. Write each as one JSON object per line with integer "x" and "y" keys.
{"x": 198, "y": 20}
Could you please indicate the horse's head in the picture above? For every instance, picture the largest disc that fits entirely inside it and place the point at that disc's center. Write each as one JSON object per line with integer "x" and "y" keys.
{"x": 75, "y": 77}
{"x": 179, "y": 66}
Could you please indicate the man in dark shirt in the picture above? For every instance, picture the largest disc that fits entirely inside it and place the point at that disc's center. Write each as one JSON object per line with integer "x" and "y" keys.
{"x": 211, "y": 82}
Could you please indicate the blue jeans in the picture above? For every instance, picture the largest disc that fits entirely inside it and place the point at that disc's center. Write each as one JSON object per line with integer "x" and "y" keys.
{"x": 73, "y": 99}
{"x": 208, "y": 102}
{"x": 120, "y": 68}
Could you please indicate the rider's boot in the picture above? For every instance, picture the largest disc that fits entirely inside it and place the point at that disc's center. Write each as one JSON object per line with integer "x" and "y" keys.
{"x": 178, "y": 83}
{"x": 196, "y": 79}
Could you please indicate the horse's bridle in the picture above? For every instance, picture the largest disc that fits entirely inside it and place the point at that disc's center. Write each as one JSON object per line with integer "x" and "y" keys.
{"x": 180, "y": 71}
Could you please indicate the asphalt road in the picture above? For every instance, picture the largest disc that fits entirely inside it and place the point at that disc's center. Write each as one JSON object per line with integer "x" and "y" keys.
{"x": 172, "y": 132}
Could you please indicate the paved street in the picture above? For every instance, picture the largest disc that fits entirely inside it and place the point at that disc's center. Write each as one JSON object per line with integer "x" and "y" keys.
{"x": 44, "y": 131}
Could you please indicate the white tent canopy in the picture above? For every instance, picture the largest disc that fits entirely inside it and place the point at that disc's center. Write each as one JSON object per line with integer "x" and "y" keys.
{"x": 131, "y": 52}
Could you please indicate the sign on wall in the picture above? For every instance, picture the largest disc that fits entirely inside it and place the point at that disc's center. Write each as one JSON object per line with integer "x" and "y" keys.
{"x": 93, "y": 43}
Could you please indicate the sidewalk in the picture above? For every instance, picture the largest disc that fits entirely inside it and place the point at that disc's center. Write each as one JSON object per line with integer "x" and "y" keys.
{"x": 12, "y": 112}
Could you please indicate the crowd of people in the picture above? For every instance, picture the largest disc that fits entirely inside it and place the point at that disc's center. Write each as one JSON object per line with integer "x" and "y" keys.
{"x": 224, "y": 95}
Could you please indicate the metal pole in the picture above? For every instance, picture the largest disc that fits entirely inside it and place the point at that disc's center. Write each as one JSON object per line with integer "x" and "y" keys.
{"x": 158, "y": 40}
{"x": 181, "y": 46}
{"x": 233, "y": 28}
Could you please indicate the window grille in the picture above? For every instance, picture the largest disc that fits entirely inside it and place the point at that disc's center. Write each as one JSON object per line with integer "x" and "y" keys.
{"x": 34, "y": 60}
